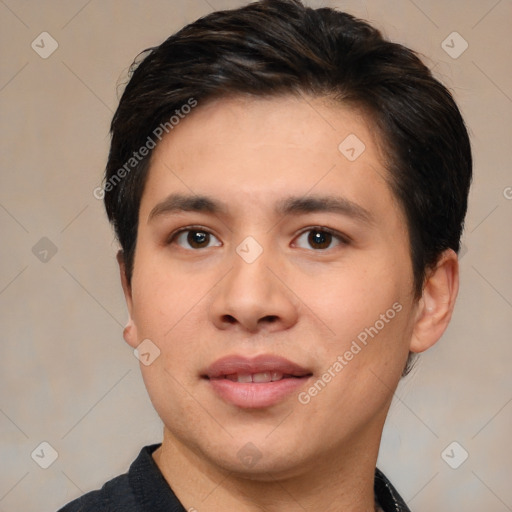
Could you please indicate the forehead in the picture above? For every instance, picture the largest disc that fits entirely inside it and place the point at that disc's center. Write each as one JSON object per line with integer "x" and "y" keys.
{"x": 299, "y": 123}
{"x": 247, "y": 150}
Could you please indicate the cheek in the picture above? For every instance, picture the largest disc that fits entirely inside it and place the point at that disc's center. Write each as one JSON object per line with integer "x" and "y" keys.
{"x": 348, "y": 300}
{"x": 361, "y": 371}
{"x": 168, "y": 309}
{"x": 368, "y": 313}
{"x": 162, "y": 295}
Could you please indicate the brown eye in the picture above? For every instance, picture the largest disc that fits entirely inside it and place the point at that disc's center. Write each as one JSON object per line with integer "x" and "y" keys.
{"x": 198, "y": 239}
{"x": 319, "y": 239}
{"x": 195, "y": 239}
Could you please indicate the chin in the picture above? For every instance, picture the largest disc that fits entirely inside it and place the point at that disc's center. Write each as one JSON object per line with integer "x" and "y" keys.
{"x": 264, "y": 468}
{"x": 257, "y": 458}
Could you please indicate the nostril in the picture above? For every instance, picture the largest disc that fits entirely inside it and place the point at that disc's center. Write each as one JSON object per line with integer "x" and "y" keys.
{"x": 269, "y": 318}
{"x": 229, "y": 319}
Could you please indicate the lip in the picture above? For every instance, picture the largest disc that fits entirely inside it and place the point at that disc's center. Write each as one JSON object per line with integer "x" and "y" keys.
{"x": 255, "y": 395}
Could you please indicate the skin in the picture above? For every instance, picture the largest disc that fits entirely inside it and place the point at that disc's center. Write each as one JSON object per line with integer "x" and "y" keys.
{"x": 295, "y": 300}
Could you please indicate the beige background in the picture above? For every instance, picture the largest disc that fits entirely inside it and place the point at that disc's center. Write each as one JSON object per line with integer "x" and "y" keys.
{"x": 68, "y": 378}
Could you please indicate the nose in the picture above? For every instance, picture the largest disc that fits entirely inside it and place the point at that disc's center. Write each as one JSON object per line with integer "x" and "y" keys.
{"x": 253, "y": 297}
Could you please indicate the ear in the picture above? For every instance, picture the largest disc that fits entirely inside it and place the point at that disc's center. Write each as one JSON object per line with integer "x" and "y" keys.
{"x": 130, "y": 331}
{"x": 437, "y": 302}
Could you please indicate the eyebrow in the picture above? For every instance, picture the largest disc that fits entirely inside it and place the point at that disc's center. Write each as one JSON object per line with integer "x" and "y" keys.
{"x": 334, "y": 204}
{"x": 289, "y": 206}
{"x": 186, "y": 203}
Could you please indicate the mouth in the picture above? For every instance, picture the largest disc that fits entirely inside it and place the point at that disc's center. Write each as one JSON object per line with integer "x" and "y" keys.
{"x": 257, "y": 382}
{"x": 258, "y": 378}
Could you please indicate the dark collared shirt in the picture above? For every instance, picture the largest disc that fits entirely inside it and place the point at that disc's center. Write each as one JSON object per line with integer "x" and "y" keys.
{"x": 144, "y": 489}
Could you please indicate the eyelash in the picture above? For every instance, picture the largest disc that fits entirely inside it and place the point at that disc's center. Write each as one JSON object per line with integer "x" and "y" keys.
{"x": 342, "y": 239}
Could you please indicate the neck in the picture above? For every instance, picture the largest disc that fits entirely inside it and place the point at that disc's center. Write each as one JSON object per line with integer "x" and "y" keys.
{"x": 339, "y": 480}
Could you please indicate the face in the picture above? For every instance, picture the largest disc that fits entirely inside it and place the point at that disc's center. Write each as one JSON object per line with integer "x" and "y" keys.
{"x": 272, "y": 272}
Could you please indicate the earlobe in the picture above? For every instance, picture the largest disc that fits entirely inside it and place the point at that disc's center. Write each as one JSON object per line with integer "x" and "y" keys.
{"x": 130, "y": 334}
{"x": 436, "y": 305}
{"x": 130, "y": 330}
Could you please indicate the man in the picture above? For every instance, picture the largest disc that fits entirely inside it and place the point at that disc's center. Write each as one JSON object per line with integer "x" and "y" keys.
{"x": 288, "y": 189}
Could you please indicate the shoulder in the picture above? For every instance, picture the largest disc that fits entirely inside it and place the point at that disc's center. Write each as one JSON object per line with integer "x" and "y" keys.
{"x": 142, "y": 489}
{"x": 126, "y": 492}
{"x": 114, "y": 496}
